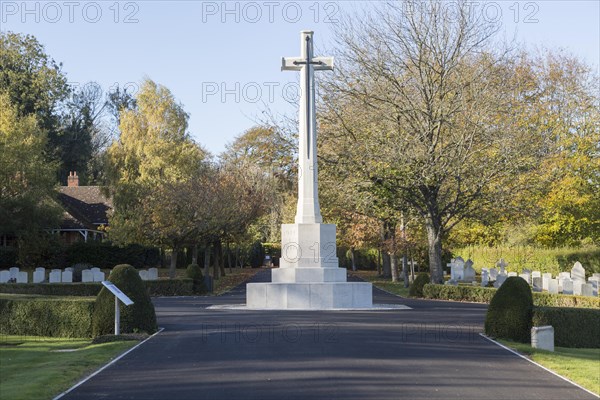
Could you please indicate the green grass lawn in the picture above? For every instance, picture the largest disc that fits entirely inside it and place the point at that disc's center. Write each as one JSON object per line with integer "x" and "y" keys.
{"x": 386, "y": 284}
{"x": 31, "y": 368}
{"x": 581, "y": 366}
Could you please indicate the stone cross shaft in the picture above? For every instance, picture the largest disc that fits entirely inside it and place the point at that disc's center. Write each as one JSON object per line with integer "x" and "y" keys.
{"x": 308, "y": 210}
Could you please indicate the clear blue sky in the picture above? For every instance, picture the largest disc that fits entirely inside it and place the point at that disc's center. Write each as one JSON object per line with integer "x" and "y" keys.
{"x": 221, "y": 60}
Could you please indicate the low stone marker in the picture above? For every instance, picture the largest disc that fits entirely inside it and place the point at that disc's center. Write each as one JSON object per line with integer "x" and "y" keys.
{"x": 22, "y": 277}
{"x": 4, "y": 276}
{"x": 537, "y": 284}
{"x": 98, "y": 275}
{"x": 493, "y": 274}
{"x": 526, "y": 276}
{"x": 578, "y": 272}
{"x": 143, "y": 274}
{"x": 485, "y": 277}
{"x": 546, "y": 280}
{"x": 499, "y": 281}
{"x": 14, "y": 271}
{"x": 153, "y": 274}
{"x": 67, "y": 276}
{"x": 587, "y": 289}
{"x": 553, "y": 286}
{"x": 567, "y": 286}
{"x": 536, "y": 274}
{"x": 512, "y": 274}
{"x": 542, "y": 337}
{"x": 87, "y": 276}
{"x": 55, "y": 276}
{"x": 39, "y": 275}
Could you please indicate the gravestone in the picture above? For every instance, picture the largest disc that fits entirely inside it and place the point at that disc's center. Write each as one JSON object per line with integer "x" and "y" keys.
{"x": 39, "y": 275}
{"x": 596, "y": 275}
{"x": 502, "y": 265}
{"x": 537, "y": 284}
{"x": 469, "y": 272}
{"x": 542, "y": 337}
{"x": 512, "y": 274}
{"x": 67, "y": 276}
{"x": 567, "y": 286}
{"x": 526, "y": 276}
{"x": 98, "y": 276}
{"x": 55, "y": 276}
{"x": 587, "y": 289}
{"x": 564, "y": 275}
{"x": 546, "y": 280}
{"x": 94, "y": 270}
{"x": 526, "y": 271}
{"x": 577, "y": 287}
{"x": 536, "y": 274}
{"x": 485, "y": 277}
{"x": 499, "y": 281}
{"x": 493, "y": 274}
{"x": 4, "y": 276}
{"x": 457, "y": 269}
{"x": 153, "y": 274}
{"x": 143, "y": 274}
{"x": 22, "y": 277}
{"x": 578, "y": 272}
{"x": 595, "y": 284}
{"x": 14, "y": 271}
{"x": 87, "y": 276}
{"x": 304, "y": 281}
{"x": 553, "y": 286}
{"x": 451, "y": 283}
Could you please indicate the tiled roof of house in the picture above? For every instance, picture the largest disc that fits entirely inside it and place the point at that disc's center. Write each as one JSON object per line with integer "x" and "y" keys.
{"x": 85, "y": 206}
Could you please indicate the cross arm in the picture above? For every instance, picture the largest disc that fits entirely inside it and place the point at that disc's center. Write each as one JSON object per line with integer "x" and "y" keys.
{"x": 322, "y": 63}
{"x": 291, "y": 63}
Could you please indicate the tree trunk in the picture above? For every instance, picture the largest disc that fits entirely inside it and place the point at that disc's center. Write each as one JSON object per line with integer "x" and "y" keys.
{"x": 434, "y": 238}
{"x": 405, "y": 270}
{"x": 394, "y": 267}
{"x": 228, "y": 257}
{"x": 207, "y": 260}
{"x": 173, "y": 268}
{"x": 379, "y": 261}
{"x": 353, "y": 258}
{"x": 195, "y": 254}
{"x": 221, "y": 260}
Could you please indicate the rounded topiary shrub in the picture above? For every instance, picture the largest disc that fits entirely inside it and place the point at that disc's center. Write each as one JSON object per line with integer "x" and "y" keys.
{"x": 138, "y": 317}
{"x": 256, "y": 254}
{"x": 509, "y": 313}
{"x": 194, "y": 272}
{"x": 416, "y": 289}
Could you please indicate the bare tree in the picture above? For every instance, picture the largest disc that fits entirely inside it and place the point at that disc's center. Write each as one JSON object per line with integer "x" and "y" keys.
{"x": 419, "y": 110}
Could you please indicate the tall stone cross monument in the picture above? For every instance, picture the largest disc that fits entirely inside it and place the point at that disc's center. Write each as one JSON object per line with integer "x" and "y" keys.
{"x": 308, "y": 276}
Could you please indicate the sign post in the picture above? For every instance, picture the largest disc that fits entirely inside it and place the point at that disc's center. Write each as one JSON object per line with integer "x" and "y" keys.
{"x": 118, "y": 296}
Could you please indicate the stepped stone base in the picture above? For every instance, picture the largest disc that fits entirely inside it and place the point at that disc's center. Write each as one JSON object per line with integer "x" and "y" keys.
{"x": 309, "y": 296}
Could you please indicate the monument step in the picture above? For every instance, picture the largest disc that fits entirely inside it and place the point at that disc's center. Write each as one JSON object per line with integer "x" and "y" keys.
{"x": 305, "y": 275}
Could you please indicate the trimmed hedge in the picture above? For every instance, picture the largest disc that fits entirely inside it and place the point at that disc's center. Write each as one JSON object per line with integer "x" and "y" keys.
{"x": 194, "y": 272}
{"x": 137, "y": 317}
{"x": 46, "y": 316}
{"x": 475, "y": 294}
{"x": 161, "y": 287}
{"x": 105, "y": 255}
{"x": 509, "y": 313}
{"x": 416, "y": 289}
{"x": 479, "y": 294}
{"x": 53, "y": 289}
{"x": 573, "y": 327}
{"x": 170, "y": 287}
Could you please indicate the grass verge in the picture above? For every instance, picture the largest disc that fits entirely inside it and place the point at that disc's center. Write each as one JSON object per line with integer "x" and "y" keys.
{"x": 581, "y": 366}
{"x": 386, "y": 284}
{"x": 33, "y": 368}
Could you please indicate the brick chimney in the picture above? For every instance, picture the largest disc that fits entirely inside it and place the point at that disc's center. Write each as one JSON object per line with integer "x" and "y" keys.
{"x": 73, "y": 179}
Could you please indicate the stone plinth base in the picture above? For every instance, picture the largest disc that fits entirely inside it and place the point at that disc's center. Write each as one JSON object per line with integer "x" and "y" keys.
{"x": 309, "y": 296}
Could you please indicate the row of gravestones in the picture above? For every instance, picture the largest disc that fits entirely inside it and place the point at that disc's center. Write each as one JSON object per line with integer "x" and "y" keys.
{"x": 573, "y": 282}
{"x": 14, "y": 275}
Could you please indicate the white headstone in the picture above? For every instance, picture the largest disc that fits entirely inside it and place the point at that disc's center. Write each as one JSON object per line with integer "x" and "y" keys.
{"x": 567, "y": 286}
{"x": 22, "y": 277}
{"x": 564, "y": 275}
{"x": 493, "y": 274}
{"x": 457, "y": 269}
{"x": 512, "y": 274}
{"x": 98, "y": 276}
{"x": 536, "y": 274}
{"x": 39, "y": 275}
{"x": 95, "y": 269}
{"x": 87, "y": 276}
{"x": 4, "y": 276}
{"x": 469, "y": 271}
{"x": 546, "y": 280}
{"x": 596, "y": 275}
{"x": 553, "y": 286}
{"x": 502, "y": 265}
{"x": 587, "y": 289}
{"x": 527, "y": 277}
{"x": 537, "y": 284}
{"x": 595, "y": 284}
{"x": 67, "y": 276}
{"x": 499, "y": 281}
{"x": 14, "y": 271}
{"x": 578, "y": 272}
{"x": 577, "y": 284}
{"x": 143, "y": 274}
{"x": 153, "y": 274}
{"x": 55, "y": 276}
{"x": 485, "y": 277}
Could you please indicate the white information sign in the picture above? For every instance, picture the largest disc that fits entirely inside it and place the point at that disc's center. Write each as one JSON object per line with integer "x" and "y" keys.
{"x": 117, "y": 292}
